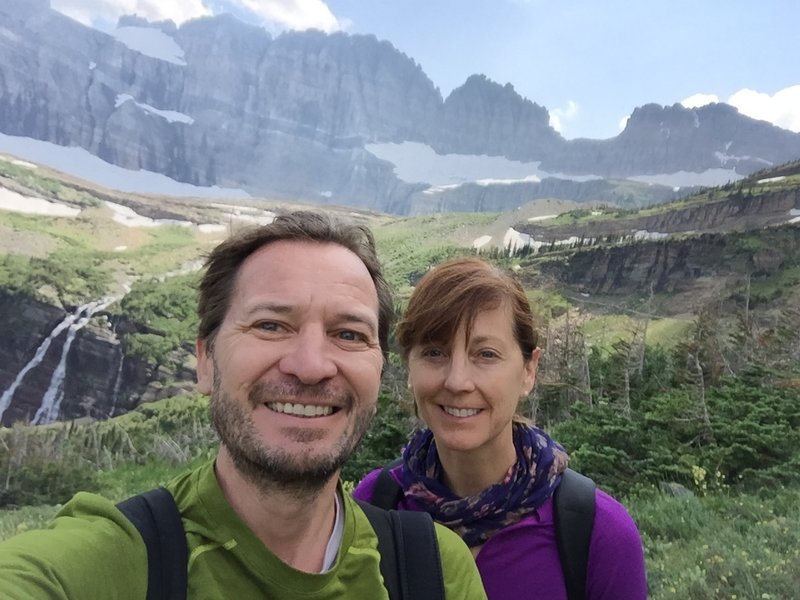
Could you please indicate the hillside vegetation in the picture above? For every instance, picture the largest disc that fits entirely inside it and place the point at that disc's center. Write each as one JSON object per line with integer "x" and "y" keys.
{"x": 683, "y": 400}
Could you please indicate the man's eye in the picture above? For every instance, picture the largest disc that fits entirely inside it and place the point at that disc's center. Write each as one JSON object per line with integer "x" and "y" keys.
{"x": 267, "y": 326}
{"x": 351, "y": 336}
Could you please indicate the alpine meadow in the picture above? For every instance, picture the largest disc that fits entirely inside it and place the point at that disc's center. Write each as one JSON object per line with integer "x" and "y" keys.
{"x": 679, "y": 396}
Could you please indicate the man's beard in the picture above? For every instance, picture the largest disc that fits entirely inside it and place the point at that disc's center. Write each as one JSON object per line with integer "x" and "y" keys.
{"x": 271, "y": 467}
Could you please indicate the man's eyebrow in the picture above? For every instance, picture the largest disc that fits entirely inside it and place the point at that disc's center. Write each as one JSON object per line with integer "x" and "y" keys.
{"x": 350, "y": 317}
{"x": 272, "y": 307}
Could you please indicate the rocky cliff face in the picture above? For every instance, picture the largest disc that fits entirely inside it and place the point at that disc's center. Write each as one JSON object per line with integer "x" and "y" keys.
{"x": 99, "y": 379}
{"x": 473, "y": 197}
{"x": 290, "y": 116}
{"x": 740, "y": 211}
{"x": 483, "y": 117}
{"x": 659, "y": 139}
{"x": 675, "y": 265}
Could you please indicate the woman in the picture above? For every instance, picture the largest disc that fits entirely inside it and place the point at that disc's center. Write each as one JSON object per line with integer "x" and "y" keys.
{"x": 470, "y": 346}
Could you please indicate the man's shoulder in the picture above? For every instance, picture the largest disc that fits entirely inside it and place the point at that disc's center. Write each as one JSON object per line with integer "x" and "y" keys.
{"x": 75, "y": 556}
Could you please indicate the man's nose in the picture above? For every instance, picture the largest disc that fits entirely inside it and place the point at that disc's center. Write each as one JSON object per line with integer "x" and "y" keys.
{"x": 309, "y": 358}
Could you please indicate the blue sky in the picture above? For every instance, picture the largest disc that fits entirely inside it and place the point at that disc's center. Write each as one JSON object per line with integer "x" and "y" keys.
{"x": 589, "y": 62}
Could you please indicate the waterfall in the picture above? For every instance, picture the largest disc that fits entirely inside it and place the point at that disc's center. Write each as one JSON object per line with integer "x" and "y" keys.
{"x": 5, "y": 400}
{"x": 117, "y": 384}
{"x": 51, "y": 401}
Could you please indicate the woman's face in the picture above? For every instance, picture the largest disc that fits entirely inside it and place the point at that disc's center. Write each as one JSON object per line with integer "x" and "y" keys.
{"x": 467, "y": 391}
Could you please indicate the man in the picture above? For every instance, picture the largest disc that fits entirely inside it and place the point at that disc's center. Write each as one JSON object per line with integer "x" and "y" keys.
{"x": 294, "y": 322}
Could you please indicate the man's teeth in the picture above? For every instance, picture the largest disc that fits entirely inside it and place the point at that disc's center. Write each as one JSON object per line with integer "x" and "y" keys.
{"x": 460, "y": 412}
{"x": 300, "y": 410}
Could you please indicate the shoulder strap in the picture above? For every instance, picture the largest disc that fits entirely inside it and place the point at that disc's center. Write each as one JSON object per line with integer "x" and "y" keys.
{"x": 410, "y": 561}
{"x": 574, "y": 506}
{"x": 157, "y": 518}
{"x": 387, "y": 493}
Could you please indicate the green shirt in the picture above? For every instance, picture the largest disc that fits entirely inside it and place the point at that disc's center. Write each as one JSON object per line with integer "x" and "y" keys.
{"x": 92, "y": 552}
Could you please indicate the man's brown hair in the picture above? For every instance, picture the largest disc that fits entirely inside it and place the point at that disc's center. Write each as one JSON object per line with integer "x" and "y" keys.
{"x": 222, "y": 265}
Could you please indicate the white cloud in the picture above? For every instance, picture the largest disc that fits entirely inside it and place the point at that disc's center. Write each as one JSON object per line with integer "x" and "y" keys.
{"x": 781, "y": 109}
{"x": 87, "y": 11}
{"x": 698, "y": 100}
{"x": 290, "y": 14}
{"x": 559, "y": 116}
{"x": 295, "y": 14}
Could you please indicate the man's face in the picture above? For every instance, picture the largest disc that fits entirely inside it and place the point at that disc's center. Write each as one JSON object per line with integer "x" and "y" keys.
{"x": 294, "y": 372}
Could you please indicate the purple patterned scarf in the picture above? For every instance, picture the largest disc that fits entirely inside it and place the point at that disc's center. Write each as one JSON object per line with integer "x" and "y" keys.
{"x": 529, "y": 482}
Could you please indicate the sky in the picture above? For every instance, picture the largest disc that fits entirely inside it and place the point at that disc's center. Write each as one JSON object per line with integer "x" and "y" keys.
{"x": 589, "y": 62}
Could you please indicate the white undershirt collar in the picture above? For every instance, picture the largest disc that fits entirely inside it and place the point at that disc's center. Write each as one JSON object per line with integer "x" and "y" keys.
{"x": 332, "y": 549}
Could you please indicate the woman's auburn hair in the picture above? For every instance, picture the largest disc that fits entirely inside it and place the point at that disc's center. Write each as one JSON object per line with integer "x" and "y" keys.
{"x": 452, "y": 294}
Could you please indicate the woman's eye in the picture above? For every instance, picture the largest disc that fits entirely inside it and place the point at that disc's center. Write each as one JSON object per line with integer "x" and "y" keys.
{"x": 488, "y": 354}
{"x": 432, "y": 353}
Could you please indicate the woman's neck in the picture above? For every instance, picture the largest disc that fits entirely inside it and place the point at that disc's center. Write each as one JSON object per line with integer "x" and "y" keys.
{"x": 469, "y": 472}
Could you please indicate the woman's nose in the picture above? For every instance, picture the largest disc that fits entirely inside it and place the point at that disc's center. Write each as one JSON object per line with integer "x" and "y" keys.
{"x": 459, "y": 374}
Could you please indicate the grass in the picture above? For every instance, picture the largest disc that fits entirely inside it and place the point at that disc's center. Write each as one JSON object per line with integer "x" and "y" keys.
{"x": 410, "y": 246}
{"x": 547, "y": 303}
{"x": 721, "y": 546}
{"x": 167, "y": 248}
{"x": 604, "y": 330}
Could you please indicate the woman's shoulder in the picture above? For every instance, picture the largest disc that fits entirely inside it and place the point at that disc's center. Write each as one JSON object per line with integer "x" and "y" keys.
{"x": 611, "y": 516}
{"x": 615, "y": 535}
{"x": 365, "y": 487}
{"x": 616, "y": 556}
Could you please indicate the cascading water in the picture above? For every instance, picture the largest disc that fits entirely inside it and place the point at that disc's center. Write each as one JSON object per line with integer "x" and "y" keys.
{"x": 5, "y": 400}
{"x": 51, "y": 401}
{"x": 117, "y": 384}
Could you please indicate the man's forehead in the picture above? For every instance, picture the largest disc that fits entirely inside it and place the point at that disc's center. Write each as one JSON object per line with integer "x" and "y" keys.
{"x": 306, "y": 264}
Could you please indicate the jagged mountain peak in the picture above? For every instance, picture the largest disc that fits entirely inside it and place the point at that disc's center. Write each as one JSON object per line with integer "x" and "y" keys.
{"x": 479, "y": 87}
{"x": 300, "y": 114}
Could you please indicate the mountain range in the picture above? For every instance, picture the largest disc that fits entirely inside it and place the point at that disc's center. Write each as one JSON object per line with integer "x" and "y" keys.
{"x": 340, "y": 119}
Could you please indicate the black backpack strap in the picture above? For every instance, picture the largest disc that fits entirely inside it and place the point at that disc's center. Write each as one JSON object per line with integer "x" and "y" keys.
{"x": 387, "y": 493}
{"x": 158, "y": 520}
{"x": 574, "y": 506}
{"x": 410, "y": 561}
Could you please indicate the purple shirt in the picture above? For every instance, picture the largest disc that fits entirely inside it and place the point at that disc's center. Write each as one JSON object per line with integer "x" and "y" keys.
{"x": 521, "y": 561}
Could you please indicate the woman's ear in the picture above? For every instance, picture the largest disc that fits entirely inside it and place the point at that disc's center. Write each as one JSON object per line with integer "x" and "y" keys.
{"x": 531, "y": 366}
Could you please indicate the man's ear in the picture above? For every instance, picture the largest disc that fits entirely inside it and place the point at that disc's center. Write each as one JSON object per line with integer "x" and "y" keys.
{"x": 205, "y": 367}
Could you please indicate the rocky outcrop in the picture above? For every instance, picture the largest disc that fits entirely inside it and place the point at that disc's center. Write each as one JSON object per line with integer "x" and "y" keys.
{"x": 483, "y": 117}
{"x": 667, "y": 139}
{"x": 471, "y": 197}
{"x": 740, "y": 210}
{"x": 674, "y": 265}
{"x": 99, "y": 378}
